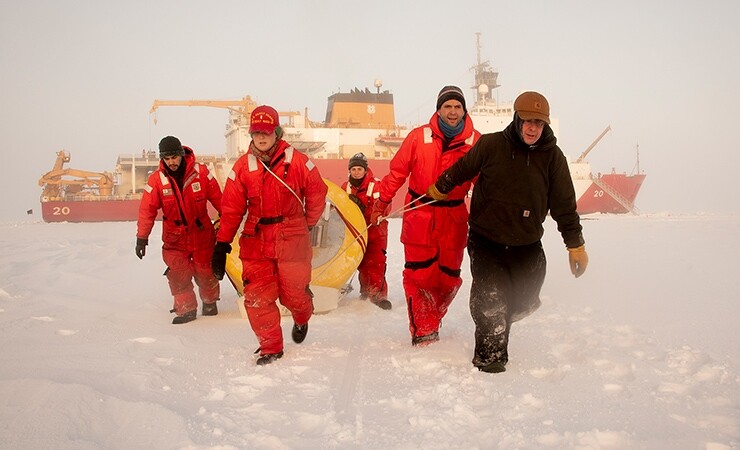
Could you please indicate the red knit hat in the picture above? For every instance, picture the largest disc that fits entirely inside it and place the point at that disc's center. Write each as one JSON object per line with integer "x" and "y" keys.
{"x": 264, "y": 119}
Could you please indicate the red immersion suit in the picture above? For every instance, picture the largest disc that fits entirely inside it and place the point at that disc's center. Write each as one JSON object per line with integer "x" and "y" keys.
{"x": 434, "y": 236}
{"x": 275, "y": 245}
{"x": 372, "y": 268}
{"x": 188, "y": 236}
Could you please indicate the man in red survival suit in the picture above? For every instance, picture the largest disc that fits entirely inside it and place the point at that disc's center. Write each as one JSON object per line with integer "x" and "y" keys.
{"x": 362, "y": 188}
{"x": 182, "y": 188}
{"x": 283, "y": 195}
{"x": 434, "y": 235}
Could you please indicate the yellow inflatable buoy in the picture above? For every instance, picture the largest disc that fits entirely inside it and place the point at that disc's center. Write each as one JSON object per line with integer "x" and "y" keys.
{"x": 339, "y": 242}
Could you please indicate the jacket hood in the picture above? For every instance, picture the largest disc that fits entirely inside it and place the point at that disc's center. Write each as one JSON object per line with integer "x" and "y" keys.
{"x": 547, "y": 140}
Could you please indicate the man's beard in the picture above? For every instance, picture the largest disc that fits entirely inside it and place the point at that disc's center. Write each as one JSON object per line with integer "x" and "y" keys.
{"x": 178, "y": 170}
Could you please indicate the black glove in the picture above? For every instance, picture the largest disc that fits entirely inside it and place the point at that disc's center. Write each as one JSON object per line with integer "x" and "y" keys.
{"x": 141, "y": 247}
{"x": 218, "y": 260}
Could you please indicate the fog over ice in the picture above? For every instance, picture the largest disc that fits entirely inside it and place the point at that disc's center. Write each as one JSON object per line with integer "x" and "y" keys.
{"x": 81, "y": 76}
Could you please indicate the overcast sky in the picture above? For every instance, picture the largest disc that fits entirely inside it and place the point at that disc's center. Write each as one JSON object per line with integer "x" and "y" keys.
{"x": 82, "y": 75}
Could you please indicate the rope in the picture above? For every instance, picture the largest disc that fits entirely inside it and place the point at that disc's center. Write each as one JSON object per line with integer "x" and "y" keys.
{"x": 403, "y": 209}
{"x": 284, "y": 184}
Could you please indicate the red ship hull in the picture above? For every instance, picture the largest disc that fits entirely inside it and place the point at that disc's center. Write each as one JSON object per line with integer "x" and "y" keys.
{"x": 337, "y": 171}
{"x": 611, "y": 193}
{"x": 107, "y": 210}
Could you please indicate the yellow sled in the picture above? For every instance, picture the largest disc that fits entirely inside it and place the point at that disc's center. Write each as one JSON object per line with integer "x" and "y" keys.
{"x": 339, "y": 242}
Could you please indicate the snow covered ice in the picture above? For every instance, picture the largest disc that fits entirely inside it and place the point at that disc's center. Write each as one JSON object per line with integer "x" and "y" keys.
{"x": 640, "y": 352}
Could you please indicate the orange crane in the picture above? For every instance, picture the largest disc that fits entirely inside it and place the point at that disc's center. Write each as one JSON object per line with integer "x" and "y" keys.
{"x": 593, "y": 144}
{"x": 243, "y": 106}
{"x": 55, "y": 184}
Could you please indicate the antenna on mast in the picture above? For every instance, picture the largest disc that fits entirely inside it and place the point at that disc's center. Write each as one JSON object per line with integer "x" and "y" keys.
{"x": 477, "y": 47}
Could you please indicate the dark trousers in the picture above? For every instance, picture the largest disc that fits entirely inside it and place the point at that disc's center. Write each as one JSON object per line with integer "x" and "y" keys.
{"x": 506, "y": 288}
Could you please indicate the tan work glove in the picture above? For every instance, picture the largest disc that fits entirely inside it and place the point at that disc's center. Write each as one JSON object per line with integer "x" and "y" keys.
{"x": 434, "y": 193}
{"x": 578, "y": 260}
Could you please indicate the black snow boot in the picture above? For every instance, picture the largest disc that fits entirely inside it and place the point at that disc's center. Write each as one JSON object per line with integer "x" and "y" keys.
{"x": 267, "y": 359}
{"x": 299, "y": 332}
{"x": 384, "y": 304}
{"x": 421, "y": 341}
{"x": 185, "y": 318}
{"x": 210, "y": 309}
{"x": 493, "y": 367}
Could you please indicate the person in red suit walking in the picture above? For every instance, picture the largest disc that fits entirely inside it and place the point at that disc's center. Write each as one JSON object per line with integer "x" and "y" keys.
{"x": 362, "y": 188}
{"x": 433, "y": 233}
{"x": 283, "y": 195}
{"x": 182, "y": 188}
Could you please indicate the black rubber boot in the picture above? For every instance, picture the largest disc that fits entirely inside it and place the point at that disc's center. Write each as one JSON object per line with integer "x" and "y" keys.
{"x": 185, "y": 318}
{"x": 267, "y": 359}
{"x": 210, "y": 309}
{"x": 299, "y": 333}
{"x": 384, "y": 304}
{"x": 493, "y": 367}
{"x": 421, "y": 341}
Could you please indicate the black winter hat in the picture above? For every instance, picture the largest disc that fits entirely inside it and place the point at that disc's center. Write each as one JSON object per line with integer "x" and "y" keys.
{"x": 170, "y": 146}
{"x": 451, "y": 93}
{"x": 358, "y": 159}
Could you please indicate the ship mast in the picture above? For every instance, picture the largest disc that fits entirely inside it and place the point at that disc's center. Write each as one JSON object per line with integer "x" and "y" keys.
{"x": 637, "y": 149}
{"x": 485, "y": 77}
{"x": 477, "y": 48}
